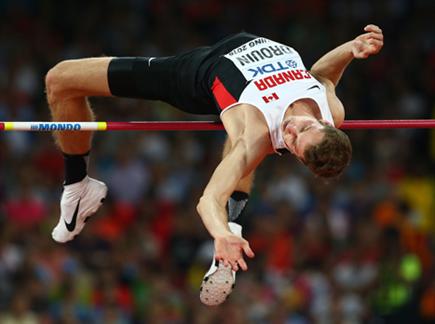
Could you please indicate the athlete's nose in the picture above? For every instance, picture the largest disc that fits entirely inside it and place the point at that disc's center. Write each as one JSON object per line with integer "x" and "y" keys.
{"x": 290, "y": 129}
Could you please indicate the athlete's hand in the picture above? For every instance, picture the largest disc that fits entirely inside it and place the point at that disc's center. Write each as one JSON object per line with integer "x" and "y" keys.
{"x": 369, "y": 43}
{"x": 229, "y": 250}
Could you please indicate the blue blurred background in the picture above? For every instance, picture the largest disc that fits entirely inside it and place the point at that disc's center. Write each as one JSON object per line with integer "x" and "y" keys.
{"x": 356, "y": 250}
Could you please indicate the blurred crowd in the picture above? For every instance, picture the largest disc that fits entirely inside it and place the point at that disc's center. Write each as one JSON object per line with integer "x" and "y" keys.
{"x": 359, "y": 249}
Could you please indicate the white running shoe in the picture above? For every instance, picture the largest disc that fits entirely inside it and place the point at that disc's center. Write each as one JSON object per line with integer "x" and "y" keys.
{"x": 219, "y": 281}
{"x": 79, "y": 201}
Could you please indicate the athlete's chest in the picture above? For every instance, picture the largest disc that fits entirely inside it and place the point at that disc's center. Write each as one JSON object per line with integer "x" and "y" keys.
{"x": 275, "y": 75}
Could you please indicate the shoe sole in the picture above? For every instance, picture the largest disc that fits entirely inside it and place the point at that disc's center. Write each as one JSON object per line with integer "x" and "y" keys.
{"x": 216, "y": 287}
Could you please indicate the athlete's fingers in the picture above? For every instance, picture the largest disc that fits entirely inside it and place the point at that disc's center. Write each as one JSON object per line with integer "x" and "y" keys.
{"x": 242, "y": 264}
{"x": 247, "y": 250}
{"x": 373, "y": 28}
{"x": 362, "y": 54}
{"x": 234, "y": 265}
{"x": 376, "y": 43}
{"x": 372, "y": 35}
{"x": 222, "y": 260}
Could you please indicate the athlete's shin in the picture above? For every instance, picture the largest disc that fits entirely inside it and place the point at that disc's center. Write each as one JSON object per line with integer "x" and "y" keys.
{"x": 77, "y": 109}
{"x": 74, "y": 145}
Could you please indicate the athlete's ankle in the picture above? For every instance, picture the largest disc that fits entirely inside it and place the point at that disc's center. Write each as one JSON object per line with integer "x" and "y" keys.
{"x": 236, "y": 204}
{"x": 76, "y": 166}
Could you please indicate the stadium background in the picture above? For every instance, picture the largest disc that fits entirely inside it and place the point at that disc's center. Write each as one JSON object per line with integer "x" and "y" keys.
{"x": 357, "y": 250}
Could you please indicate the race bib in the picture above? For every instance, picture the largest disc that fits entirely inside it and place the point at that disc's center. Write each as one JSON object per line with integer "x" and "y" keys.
{"x": 261, "y": 56}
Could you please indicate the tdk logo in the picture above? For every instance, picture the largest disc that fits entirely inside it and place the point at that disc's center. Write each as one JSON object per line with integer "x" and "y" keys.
{"x": 291, "y": 63}
{"x": 56, "y": 127}
{"x": 273, "y": 67}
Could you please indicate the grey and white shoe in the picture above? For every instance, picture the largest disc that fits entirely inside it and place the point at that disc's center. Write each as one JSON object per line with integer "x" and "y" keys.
{"x": 219, "y": 281}
{"x": 79, "y": 201}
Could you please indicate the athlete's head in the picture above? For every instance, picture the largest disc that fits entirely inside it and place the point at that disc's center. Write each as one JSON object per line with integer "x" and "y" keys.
{"x": 324, "y": 149}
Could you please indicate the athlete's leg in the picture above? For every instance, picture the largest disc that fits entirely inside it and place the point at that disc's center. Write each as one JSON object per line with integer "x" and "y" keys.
{"x": 68, "y": 85}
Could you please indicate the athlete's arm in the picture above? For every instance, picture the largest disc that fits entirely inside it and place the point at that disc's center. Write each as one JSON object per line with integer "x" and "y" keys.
{"x": 240, "y": 161}
{"x": 332, "y": 65}
{"x": 239, "y": 198}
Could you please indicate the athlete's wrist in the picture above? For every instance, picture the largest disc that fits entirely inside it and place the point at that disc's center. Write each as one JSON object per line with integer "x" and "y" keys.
{"x": 348, "y": 48}
{"x": 219, "y": 231}
{"x": 215, "y": 226}
{"x": 223, "y": 235}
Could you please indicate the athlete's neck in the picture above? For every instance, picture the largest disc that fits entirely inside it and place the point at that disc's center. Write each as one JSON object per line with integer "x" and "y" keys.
{"x": 303, "y": 107}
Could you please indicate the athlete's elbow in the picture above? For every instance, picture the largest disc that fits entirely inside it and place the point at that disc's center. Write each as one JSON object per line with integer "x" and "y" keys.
{"x": 199, "y": 206}
{"x": 203, "y": 202}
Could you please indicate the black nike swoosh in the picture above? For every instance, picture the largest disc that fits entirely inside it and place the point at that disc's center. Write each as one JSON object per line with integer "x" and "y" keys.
{"x": 314, "y": 86}
{"x": 72, "y": 225}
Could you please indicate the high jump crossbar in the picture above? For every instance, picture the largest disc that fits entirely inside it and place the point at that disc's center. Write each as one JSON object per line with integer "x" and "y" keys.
{"x": 41, "y": 126}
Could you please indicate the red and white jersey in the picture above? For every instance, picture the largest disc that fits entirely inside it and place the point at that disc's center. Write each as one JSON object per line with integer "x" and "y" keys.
{"x": 276, "y": 77}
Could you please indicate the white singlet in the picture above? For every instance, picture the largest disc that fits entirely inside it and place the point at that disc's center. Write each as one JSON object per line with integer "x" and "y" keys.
{"x": 277, "y": 77}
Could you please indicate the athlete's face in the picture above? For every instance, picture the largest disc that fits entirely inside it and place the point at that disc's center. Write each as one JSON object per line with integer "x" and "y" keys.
{"x": 300, "y": 132}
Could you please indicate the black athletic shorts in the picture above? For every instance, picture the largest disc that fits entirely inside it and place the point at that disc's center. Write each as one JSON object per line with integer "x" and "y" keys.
{"x": 190, "y": 81}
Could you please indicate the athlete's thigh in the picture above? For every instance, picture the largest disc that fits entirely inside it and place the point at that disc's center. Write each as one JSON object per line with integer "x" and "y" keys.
{"x": 80, "y": 77}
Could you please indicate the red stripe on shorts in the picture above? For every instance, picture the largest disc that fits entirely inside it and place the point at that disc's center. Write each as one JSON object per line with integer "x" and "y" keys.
{"x": 221, "y": 94}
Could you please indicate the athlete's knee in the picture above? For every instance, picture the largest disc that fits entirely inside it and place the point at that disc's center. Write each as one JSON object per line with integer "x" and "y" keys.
{"x": 57, "y": 81}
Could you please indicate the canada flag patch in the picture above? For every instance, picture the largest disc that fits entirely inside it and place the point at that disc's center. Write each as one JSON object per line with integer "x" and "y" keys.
{"x": 270, "y": 98}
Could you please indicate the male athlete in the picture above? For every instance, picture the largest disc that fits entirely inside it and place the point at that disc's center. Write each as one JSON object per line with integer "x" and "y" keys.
{"x": 266, "y": 99}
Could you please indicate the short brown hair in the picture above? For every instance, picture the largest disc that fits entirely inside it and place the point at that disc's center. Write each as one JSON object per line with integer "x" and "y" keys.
{"x": 330, "y": 157}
